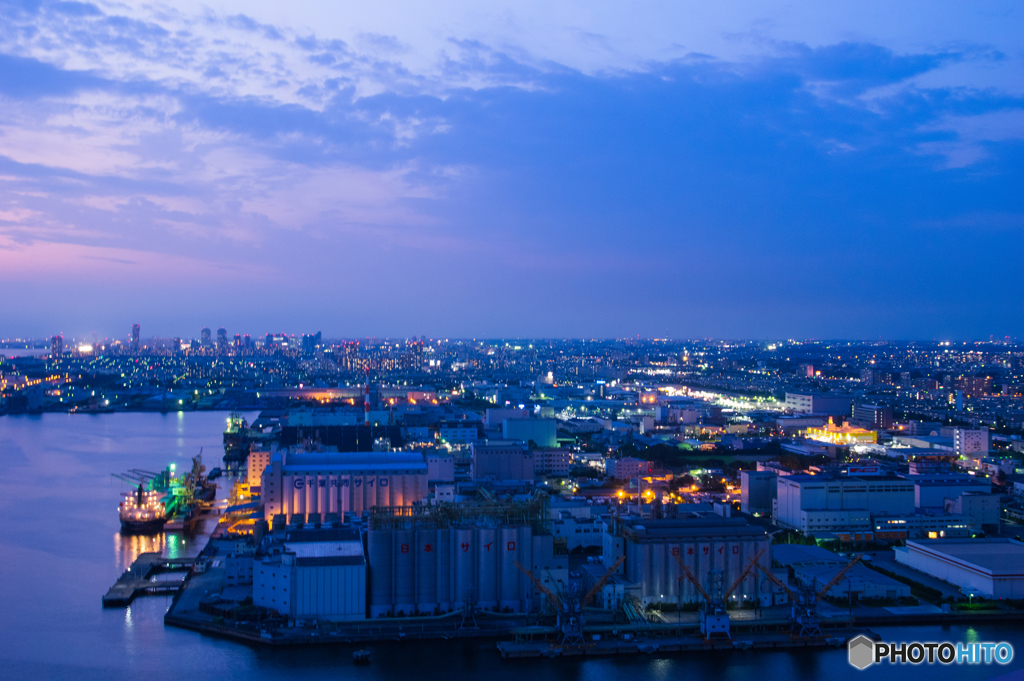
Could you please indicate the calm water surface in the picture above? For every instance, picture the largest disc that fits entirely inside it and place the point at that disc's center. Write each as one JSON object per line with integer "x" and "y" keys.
{"x": 60, "y": 551}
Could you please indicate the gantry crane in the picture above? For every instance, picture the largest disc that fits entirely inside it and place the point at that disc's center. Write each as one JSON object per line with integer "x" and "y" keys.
{"x": 570, "y": 602}
{"x": 805, "y": 605}
{"x": 714, "y": 617}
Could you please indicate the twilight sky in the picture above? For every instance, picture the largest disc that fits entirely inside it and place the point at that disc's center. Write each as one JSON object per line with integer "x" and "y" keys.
{"x": 467, "y": 169}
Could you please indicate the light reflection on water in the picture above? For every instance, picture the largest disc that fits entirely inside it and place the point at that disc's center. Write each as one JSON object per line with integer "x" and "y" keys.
{"x": 59, "y": 512}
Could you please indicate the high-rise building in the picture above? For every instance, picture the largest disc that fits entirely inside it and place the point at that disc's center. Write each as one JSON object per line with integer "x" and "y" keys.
{"x": 970, "y": 442}
{"x": 56, "y": 346}
{"x": 222, "y": 339}
{"x": 176, "y": 346}
{"x": 875, "y": 416}
{"x": 135, "y": 339}
{"x": 206, "y": 337}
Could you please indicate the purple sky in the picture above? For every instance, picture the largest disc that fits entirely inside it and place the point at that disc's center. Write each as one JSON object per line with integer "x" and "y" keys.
{"x": 466, "y": 169}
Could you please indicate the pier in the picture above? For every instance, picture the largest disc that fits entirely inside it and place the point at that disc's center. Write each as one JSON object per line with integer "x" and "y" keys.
{"x": 138, "y": 579}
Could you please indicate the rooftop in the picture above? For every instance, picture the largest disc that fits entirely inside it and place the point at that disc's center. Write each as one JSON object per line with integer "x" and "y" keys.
{"x": 1000, "y": 556}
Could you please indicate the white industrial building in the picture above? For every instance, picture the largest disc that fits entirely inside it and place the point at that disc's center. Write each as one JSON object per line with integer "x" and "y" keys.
{"x": 932, "y": 491}
{"x": 440, "y": 469}
{"x": 313, "y": 574}
{"x": 993, "y": 568}
{"x": 297, "y": 484}
{"x": 818, "y": 403}
{"x": 822, "y": 503}
{"x": 980, "y": 509}
{"x": 757, "y": 491}
{"x": 970, "y": 443}
{"x": 578, "y": 532}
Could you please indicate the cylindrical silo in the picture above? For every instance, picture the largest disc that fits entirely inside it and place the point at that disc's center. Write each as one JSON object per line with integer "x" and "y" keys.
{"x": 379, "y": 547}
{"x": 444, "y": 569}
{"x": 405, "y": 571}
{"x": 508, "y": 552}
{"x": 524, "y": 555}
{"x": 689, "y": 555}
{"x": 487, "y": 567}
{"x": 658, "y": 556}
{"x": 310, "y": 495}
{"x": 464, "y": 567}
{"x": 426, "y": 572}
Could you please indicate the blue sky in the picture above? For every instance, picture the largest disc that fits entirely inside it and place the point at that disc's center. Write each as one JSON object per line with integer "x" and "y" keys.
{"x": 517, "y": 169}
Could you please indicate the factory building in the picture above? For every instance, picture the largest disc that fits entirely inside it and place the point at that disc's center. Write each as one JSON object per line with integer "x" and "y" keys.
{"x": 543, "y": 432}
{"x": 296, "y": 484}
{"x": 930, "y": 524}
{"x": 980, "y": 509}
{"x": 258, "y": 460}
{"x": 440, "y": 469}
{"x": 578, "y": 533}
{"x": 705, "y": 543}
{"x": 552, "y": 461}
{"x": 818, "y": 403}
{"x": 875, "y": 416}
{"x": 313, "y": 574}
{"x": 757, "y": 491}
{"x": 822, "y": 503}
{"x": 932, "y": 491}
{"x": 993, "y": 568}
{"x": 501, "y": 461}
{"x": 628, "y": 467}
{"x": 815, "y": 567}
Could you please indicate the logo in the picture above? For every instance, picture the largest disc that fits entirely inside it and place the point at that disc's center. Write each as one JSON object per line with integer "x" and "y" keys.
{"x": 863, "y": 652}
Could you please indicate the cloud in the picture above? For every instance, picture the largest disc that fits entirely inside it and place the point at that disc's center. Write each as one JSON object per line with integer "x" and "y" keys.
{"x": 970, "y": 139}
{"x": 558, "y": 149}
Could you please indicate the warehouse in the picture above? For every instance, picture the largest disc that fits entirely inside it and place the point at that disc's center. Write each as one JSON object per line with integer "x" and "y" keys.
{"x": 823, "y": 503}
{"x": 704, "y": 542}
{"x": 815, "y": 567}
{"x": 993, "y": 568}
{"x": 301, "y": 483}
{"x": 313, "y": 574}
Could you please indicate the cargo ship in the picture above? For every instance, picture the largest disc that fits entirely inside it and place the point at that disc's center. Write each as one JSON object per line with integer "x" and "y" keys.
{"x": 165, "y": 502}
{"x": 142, "y": 512}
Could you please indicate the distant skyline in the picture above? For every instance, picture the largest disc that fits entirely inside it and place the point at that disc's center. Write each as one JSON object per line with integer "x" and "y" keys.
{"x": 258, "y": 337}
{"x": 683, "y": 170}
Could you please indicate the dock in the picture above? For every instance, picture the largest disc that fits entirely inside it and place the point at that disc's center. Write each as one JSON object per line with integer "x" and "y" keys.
{"x": 670, "y": 644}
{"x": 138, "y": 579}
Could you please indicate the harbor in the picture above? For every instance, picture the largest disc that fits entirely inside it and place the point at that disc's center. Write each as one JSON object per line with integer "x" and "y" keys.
{"x": 142, "y": 579}
{"x": 133, "y": 641}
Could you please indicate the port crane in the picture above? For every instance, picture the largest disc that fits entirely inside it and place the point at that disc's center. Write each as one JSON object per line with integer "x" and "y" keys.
{"x": 805, "y": 605}
{"x": 569, "y": 603}
{"x": 714, "y": 617}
